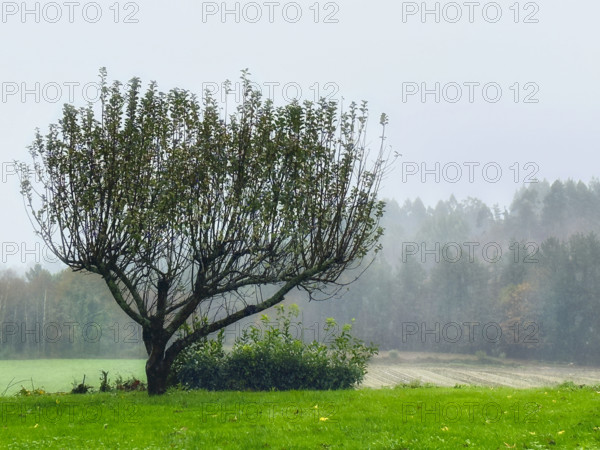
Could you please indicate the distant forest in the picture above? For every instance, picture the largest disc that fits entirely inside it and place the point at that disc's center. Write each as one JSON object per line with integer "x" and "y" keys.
{"x": 461, "y": 277}
{"x": 526, "y": 285}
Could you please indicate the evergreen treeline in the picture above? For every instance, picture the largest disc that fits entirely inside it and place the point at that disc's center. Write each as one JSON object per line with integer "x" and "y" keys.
{"x": 526, "y": 285}
{"x": 461, "y": 277}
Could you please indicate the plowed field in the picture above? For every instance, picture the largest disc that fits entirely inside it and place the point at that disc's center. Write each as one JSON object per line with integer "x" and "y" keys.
{"x": 445, "y": 370}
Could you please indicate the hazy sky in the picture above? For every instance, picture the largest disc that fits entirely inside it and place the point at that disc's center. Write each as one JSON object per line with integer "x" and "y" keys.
{"x": 475, "y": 86}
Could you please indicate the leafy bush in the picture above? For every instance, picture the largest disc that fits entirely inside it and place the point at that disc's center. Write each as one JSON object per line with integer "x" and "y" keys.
{"x": 202, "y": 361}
{"x": 274, "y": 359}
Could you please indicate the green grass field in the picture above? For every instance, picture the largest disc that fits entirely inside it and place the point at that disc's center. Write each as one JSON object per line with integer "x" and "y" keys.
{"x": 412, "y": 417}
{"x": 420, "y": 418}
{"x": 57, "y": 375}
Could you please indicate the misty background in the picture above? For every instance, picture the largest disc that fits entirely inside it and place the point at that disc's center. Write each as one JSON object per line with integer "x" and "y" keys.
{"x": 494, "y": 114}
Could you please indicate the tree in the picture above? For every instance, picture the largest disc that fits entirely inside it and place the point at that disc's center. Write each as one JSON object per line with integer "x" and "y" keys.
{"x": 12, "y": 299}
{"x": 39, "y": 282}
{"x": 555, "y": 211}
{"x": 189, "y": 217}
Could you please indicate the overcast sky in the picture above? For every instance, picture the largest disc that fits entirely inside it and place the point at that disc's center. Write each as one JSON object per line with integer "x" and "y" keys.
{"x": 475, "y": 86}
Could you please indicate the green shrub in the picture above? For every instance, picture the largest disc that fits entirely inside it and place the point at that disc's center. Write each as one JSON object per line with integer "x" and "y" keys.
{"x": 274, "y": 359}
{"x": 201, "y": 365}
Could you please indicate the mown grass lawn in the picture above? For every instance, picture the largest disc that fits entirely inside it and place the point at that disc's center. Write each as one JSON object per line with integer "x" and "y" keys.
{"x": 466, "y": 417}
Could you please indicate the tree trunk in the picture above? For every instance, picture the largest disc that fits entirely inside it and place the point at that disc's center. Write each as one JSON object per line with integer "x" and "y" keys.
{"x": 158, "y": 365}
{"x": 157, "y": 371}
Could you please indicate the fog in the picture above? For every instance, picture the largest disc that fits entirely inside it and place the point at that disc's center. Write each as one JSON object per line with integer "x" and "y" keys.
{"x": 494, "y": 112}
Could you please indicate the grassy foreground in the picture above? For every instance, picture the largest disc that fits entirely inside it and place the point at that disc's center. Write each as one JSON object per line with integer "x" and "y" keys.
{"x": 465, "y": 417}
